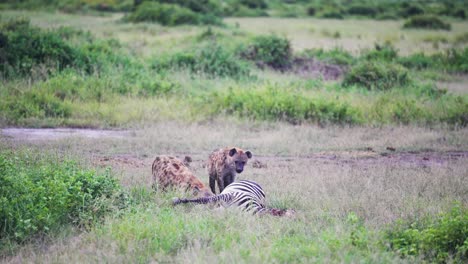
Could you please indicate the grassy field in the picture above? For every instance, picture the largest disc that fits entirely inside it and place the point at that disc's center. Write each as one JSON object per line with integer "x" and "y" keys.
{"x": 344, "y": 184}
{"x": 375, "y": 175}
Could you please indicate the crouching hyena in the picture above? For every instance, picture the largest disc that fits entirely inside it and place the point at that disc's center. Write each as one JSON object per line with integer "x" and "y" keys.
{"x": 224, "y": 164}
{"x": 170, "y": 172}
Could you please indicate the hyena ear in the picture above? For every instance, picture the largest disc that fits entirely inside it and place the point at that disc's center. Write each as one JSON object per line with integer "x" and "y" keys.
{"x": 249, "y": 154}
{"x": 232, "y": 152}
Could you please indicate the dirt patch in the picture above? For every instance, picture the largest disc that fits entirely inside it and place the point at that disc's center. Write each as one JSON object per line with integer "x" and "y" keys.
{"x": 33, "y": 134}
{"x": 364, "y": 158}
{"x": 311, "y": 68}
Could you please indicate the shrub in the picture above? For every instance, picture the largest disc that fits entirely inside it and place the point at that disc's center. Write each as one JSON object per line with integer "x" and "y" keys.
{"x": 211, "y": 59}
{"x": 272, "y": 103}
{"x": 439, "y": 240}
{"x": 426, "y": 22}
{"x": 363, "y": 10}
{"x": 270, "y": 50}
{"x": 255, "y": 4}
{"x": 311, "y": 11}
{"x": 38, "y": 196}
{"x": 384, "y": 52}
{"x": 460, "y": 13}
{"x": 166, "y": 14}
{"x": 375, "y": 75}
{"x": 457, "y": 60}
{"x": 332, "y": 14}
{"x": 411, "y": 10}
{"x": 23, "y": 47}
{"x": 418, "y": 61}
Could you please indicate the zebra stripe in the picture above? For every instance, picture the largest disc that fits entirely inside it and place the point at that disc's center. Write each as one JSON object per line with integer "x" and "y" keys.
{"x": 244, "y": 194}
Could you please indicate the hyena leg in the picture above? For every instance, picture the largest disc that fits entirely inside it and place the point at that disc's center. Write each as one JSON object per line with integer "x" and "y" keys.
{"x": 212, "y": 184}
{"x": 221, "y": 185}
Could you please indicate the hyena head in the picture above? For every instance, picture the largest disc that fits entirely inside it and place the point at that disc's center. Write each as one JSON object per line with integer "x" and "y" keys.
{"x": 238, "y": 158}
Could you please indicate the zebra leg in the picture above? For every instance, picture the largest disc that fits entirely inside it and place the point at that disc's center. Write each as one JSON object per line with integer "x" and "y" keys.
{"x": 201, "y": 200}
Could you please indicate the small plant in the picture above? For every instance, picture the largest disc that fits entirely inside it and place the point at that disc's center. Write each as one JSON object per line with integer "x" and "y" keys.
{"x": 426, "y": 22}
{"x": 375, "y": 75}
{"x": 270, "y": 50}
{"x": 440, "y": 240}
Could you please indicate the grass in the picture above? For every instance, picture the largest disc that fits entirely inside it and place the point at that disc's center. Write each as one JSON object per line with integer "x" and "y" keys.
{"x": 351, "y": 161}
{"x": 341, "y": 209}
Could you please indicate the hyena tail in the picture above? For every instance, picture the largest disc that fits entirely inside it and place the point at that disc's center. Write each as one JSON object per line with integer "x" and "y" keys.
{"x": 201, "y": 200}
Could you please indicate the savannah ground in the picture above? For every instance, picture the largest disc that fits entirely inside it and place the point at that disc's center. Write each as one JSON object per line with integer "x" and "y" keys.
{"x": 348, "y": 183}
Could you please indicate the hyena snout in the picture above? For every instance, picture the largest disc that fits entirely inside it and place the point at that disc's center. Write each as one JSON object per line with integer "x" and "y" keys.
{"x": 239, "y": 167}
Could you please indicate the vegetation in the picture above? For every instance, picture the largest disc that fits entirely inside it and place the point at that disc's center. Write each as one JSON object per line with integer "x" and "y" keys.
{"x": 39, "y": 195}
{"x": 335, "y": 94}
{"x": 442, "y": 239}
{"x": 426, "y": 22}
{"x": 375, "y": 75}
{"x": 271, "y": 50}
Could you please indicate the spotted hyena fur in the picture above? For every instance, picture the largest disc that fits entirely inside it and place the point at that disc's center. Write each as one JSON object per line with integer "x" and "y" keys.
{"x": 170, "y": 172}
{"x": 224, "y": 164}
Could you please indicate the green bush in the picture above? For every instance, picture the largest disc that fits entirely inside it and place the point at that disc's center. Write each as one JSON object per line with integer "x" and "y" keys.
{"x": 272, "y": 103}
{"x": 376, "y": 75}
{"x": 211, "y": 59}
{"x": 24, "y": 47}
{"x": 166, "y": 14}
{"x": 39, "y": 195}
{"x": 270, "y": 50}
{"x": 254, "y": 4}
{"x": 419, "y": 61}
{"x": 170, "y": 15}
{"x": 426, "y": 22}
{"x": 411, "y": 10}
{"x": 440, "y": 240}
{"x": 332, "y": 15}
{"x": 363, "y": 10}
{"x": 384, "y": 52}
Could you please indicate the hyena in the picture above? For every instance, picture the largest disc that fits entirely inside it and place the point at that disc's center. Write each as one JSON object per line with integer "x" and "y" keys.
{"x": 170, "y": 172}
{"x": 224, "y": 164}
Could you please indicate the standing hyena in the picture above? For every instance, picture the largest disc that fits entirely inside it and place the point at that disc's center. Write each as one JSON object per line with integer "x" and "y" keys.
{"x": 170, "y": 172}
{"x": 224, "y": 164}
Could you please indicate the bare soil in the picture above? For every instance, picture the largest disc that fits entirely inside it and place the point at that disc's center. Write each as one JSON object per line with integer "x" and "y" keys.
{"x": 124, "y": 161}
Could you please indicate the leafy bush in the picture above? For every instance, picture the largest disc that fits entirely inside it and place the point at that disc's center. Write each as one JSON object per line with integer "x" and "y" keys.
{"x": 412, "y": 10}
{"x": 363, "y": 10}
{"x": 166, "y": 14}
{"x": 418, "y": 61}
{"x": 38, "y": 196}
{"x": 254, "y": 4}
{"x": 211, "y": 59}
{"x": 439, "y": 240}
{"x": 24, "y": 47}
{"x": 170, "y": 14}
{"x": 375, "y": 75}
{"x": 452, "y": 60}
{"x": 332, "y": 14}
{"x": 270, "y": 50}
{"x": 384, "y": 52}
{"x": 272, "y": 103}
{"x": 426, "y": 22}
